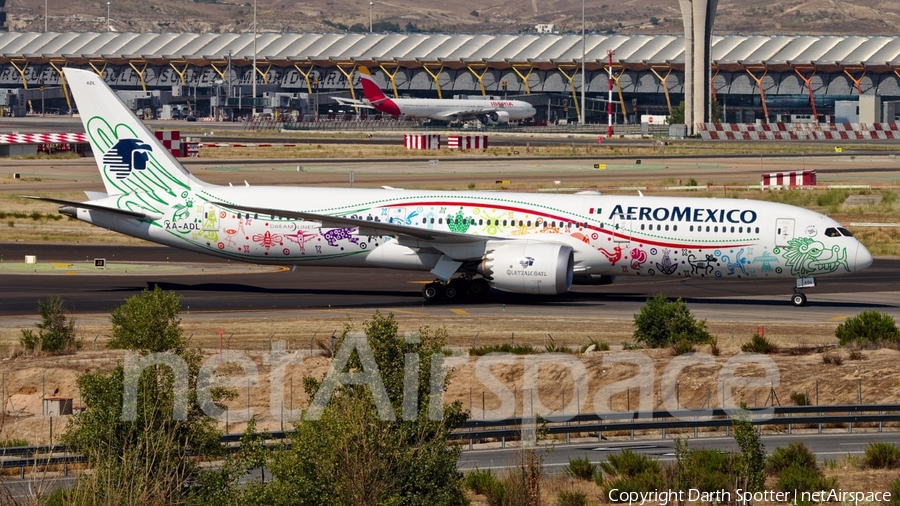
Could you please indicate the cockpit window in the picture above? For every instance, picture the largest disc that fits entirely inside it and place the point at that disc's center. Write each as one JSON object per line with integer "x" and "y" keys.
{"x": 832, "y": 232}
{"x": 844, "y": 232}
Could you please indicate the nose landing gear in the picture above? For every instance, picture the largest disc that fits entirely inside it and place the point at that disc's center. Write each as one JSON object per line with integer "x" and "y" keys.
{"x": 799, "y": 298}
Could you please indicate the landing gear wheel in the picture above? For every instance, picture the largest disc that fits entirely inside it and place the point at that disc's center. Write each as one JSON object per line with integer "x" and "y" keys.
{"x": 460, "y": 286}
{"x": 451, "y": 292}
{"x": 432, "y": 292}
{"x": 798, "y": 299}
{"x": 479, "y": 288}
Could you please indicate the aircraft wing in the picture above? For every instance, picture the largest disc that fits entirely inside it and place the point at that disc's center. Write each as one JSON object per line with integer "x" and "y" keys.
{"x": 95, "y": 207}
{"x": 468, "y": 112}
{"x": 353, "y": 103}
{"x": 366, "y": 227}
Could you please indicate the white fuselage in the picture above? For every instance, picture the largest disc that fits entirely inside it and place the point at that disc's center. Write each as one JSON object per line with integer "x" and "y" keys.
{"x": 458, "y": 109}
{"x": 610, "y": 235}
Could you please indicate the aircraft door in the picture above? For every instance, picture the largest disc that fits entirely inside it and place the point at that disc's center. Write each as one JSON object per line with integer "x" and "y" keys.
{"x": 621, "y": 228}
{"x": 784, "y": 231}
{"x": 210, "y": 218}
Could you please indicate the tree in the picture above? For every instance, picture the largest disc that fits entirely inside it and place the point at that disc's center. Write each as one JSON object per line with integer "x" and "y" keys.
{"x": 676, "y": 116}
{"x": 149, "y": 323}
{"x": 56, "y": 332}
{"x": 663, "y": 323}
{"x": 150, "y": 458}
{"x": 654, "y": 20}
{"x": 351, "y": 455}
{"x": 716, "y": 114}
{"x": 751, "y": 465}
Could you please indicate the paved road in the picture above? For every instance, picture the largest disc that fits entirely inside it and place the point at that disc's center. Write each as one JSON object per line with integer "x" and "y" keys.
{"x": 826, "y": 446}
{"x": 764, "y": 300}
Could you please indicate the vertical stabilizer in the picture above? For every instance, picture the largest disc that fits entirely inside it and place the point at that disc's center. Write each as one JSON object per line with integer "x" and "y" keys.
{"x": 130, "y": 158}
{"x": 371, "y": 90}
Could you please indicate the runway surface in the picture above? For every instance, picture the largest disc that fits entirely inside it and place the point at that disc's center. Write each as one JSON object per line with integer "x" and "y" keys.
{"x": 314, "y": 288}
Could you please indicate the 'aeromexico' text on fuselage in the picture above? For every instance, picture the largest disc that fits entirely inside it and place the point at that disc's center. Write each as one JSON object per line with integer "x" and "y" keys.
{"x": 677, "y": 213}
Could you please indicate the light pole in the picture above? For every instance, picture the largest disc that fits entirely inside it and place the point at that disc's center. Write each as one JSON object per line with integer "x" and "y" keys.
{"x": 371, "y": 6}
{"x": 254, "y": 60}
{"x": 45, "y": 16}
{"x": 42, "y": 96}
{"x": 108, "y": 28}
{"x": 583, "y": 76}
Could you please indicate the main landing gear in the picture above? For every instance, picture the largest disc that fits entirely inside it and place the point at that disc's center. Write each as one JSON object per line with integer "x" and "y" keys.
{"x": 456, "y": 289}
{"x": 799, "y": 298}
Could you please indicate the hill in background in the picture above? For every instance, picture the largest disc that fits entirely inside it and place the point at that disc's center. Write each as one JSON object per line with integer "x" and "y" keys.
{"x": 790, "y": 17}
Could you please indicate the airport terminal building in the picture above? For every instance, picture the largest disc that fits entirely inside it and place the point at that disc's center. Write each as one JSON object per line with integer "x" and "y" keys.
{"x": 171, "y": 75}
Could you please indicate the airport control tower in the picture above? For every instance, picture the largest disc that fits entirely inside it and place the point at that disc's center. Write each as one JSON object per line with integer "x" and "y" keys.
{"x": 698, "y": 18}
{"x": 3, "y": 27}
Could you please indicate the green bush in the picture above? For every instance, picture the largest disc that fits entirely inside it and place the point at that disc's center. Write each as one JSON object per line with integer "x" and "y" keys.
{"x": 598, "y": 345}
{"x": 515, "y": 349}
{"x": 56, "y": 332}
{"x": 868, "y": 328}
{"x": 895, "y": 493}
{"x": 557, "y": 348}
{"x": 480, "y": 481}
{"x": 571, "y": 498}
{"x": 581, "y": 468}
{"x": 662, "y": 323}
{"x": 882, "y": 456}
{"x": 758, "y": 344}
{"x": 683, "y": 346}
{"x": 704, "y": 470}
{"x": 794, "y": 454}
{"x": 803, "y": 479}
{"x": 10, "y": 443}
{"x": 631, "y": 472}
{"x": 800, "y": 398}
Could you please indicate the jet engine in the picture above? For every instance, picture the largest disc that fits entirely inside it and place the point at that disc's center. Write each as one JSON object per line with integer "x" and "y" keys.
{"x": 495, "y": 117}
{"x": 529, "y": 267}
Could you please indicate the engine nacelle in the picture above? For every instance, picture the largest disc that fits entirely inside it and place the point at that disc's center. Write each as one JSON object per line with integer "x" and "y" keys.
{"x": 495, "y": 117}
{"x": 529, "y": 267}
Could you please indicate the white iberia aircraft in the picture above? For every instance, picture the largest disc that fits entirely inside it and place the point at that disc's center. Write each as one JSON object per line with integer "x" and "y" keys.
{"x": 487, "y": 111}
{"x": 470, "y": 241}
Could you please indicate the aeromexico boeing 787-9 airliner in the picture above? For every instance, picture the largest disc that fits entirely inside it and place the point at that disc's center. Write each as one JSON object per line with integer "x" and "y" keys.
{"x": 469, "y": 241}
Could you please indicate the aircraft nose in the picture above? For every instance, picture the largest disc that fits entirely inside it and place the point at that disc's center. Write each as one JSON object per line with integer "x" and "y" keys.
{"x": 863, "y": 257}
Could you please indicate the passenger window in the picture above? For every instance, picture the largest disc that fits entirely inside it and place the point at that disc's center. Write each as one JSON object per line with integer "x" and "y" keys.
{"x": 732, "y": 229}
{"x": 675, "y": 227}
{"x": 757, "y": 230}
{"x": 504, "y": 223}
{"x": 440, "y": 221}
{"x": 667, "y": 228}
{"x": 642, "y": 226}
{"x": 716, "y": 228}
{"x": 529, "y": 223}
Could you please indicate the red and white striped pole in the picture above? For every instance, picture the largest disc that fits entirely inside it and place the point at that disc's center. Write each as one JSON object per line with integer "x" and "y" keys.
{"x": 609, "y": 130}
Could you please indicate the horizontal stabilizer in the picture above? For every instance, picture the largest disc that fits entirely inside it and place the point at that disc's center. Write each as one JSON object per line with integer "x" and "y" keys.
{"x": 95, "y": 207}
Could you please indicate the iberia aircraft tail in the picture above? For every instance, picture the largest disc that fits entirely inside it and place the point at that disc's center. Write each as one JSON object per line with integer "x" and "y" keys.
{"x": 371, "y": 90}
{"x": 130, "y": 158}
